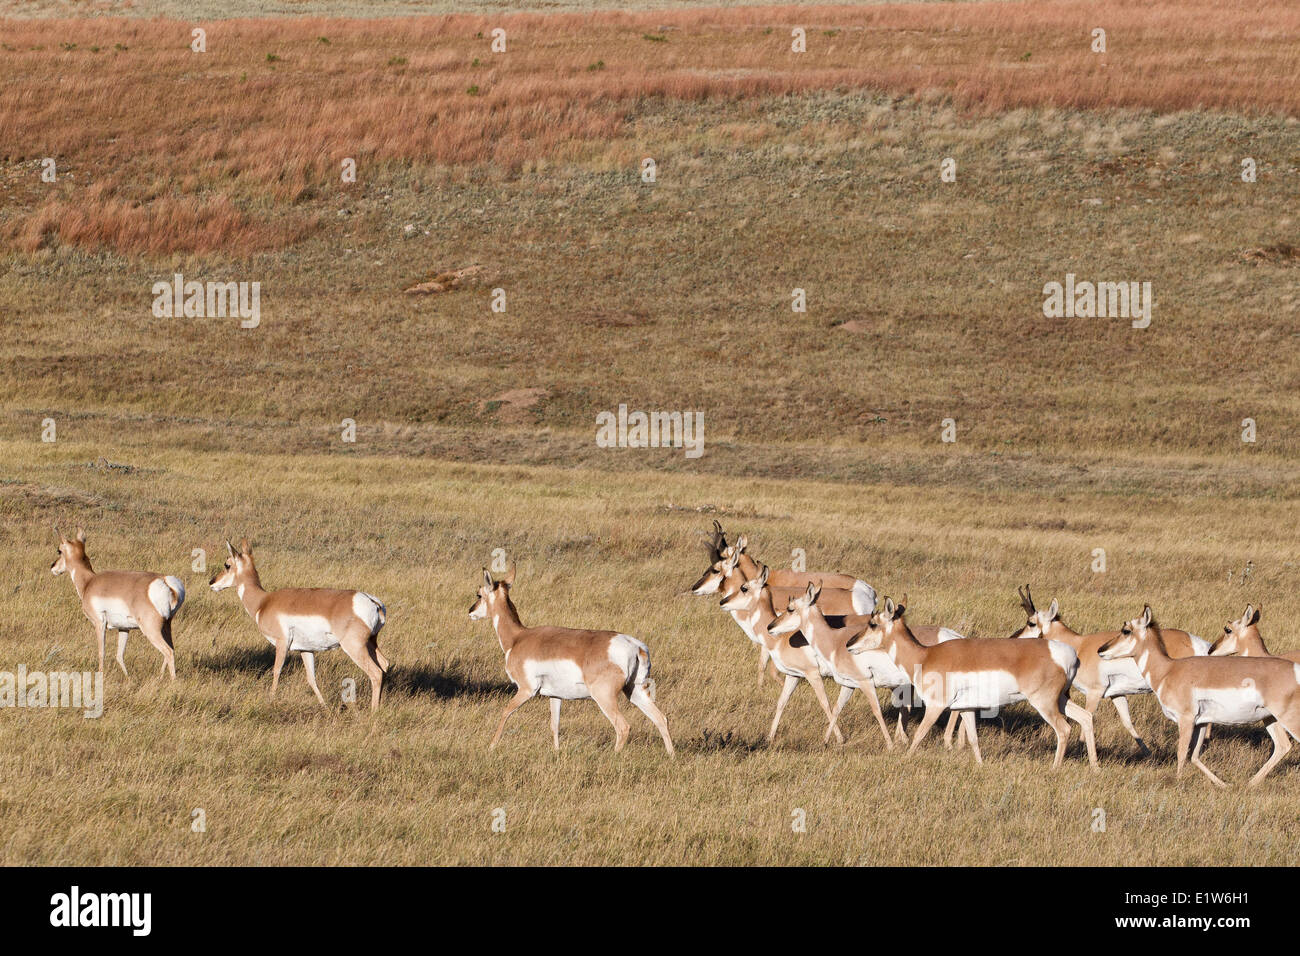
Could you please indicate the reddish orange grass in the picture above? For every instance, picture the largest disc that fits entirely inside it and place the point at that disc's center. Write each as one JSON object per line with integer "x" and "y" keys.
{"x": 172, "y": 150}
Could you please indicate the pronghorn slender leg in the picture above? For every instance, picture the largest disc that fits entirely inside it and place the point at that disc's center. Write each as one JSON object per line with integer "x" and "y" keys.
{"x": 522, "y": 696}
{"x": 642, "y": 700}
{"x": 815, "y": 681}
{"x": 1281, "y": 746}
{"x": 121, "y": 652}
{"x": 932, "y": 714}
{"x": 1050, "y": 711}
{"x": 101, "y": 626}
{"x": 355, "y": 643}
{"x": 790, "y": 683}
{"x": 555, "y": 722}
{"x": 968, "y": 725}
{"x": 309, "y": 668}
{"x": 953, "y": 718}
{"x": 606, "y": 697}
{"x": 281, "y": 649}
{"x": 380, "y": 659}
{"x": 869, "y": 689}
{"x": 169, "y": 659}
{"x": 1084, "y": 719}
{"x": 1186, "y": 730}
{"x": 154, "y": 632}
{"x": 1198, "y": 734}
{"x": 1125, "y": 718}
{"x": 763, "y": 657}
{"x": 845, "y": 694}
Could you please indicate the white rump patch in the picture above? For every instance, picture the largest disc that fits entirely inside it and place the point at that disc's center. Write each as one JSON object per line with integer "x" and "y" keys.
{"x": 630, "y": 656}
{"x": 166, "y": 600}
{"x": 1200, "y": 646}
{"x": 948, "y": 634}
{"x": 1065, "y": 657}
{"x": 369, "y": 610}
{"x": 863, "y": 597}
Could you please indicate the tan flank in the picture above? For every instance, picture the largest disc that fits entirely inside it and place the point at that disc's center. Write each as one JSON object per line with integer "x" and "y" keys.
{"x": 309, "y": 621}
{"x": 565, "y": 663}
{"x": 123, "y": 601}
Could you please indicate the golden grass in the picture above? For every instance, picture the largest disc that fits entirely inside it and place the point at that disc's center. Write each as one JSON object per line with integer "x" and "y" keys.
{"x": 157, "y": 142}
{"x": 284, "y": 782}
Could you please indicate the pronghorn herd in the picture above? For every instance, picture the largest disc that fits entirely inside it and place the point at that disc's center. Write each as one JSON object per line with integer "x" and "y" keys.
{"x": 808, "y": 627}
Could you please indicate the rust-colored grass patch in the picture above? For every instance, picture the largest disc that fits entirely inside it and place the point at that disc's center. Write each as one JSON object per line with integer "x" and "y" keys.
{"x": 161, "y": 149}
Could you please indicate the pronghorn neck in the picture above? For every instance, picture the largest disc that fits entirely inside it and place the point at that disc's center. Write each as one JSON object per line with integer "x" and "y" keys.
{"x": 817, "y": 629}
{"x": 81, "y": 572}
{"x": 762, "y": 616}
{"x": 1252, "y": 643}
{"x": 1152, "y": 660}
{"x": 1058, "y": 630}
{"x": 908, "y": 651}
{"x": 250, "y": 591}
{"x": 505, "y": 620}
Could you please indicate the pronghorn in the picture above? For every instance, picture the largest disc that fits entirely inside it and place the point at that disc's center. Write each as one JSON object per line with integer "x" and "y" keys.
{"x": 565, "y": 663}
{"x": 1195, "y": 691}
{"x": 982, "y": 674}
{"x": 1242, "y": 638}
{"x": 1097, "y": 678}
{"x": 122, "y": 601}
{"x": 727, "y": 574}
{"x": 750, "y": 603}
{"x": 845, "y": 594}
{"x": 308, "y": 620}
{"x": 852, "y": 669}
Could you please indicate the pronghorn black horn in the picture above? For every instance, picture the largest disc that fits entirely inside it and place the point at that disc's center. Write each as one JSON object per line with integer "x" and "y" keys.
{"x": 1026, "y": 601}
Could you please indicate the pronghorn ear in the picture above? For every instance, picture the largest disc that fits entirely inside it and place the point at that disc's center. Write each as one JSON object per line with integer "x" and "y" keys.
{"x": 487, "y": 579}
{"x": 509, "y": 579}
{"x": 230, "y": 548}
{"x": 889, "y": 609}
{"x": 1054, "y": 611}
{"x": 741, "y": 545}
{"x": 81, "y": 536}
{"x": 762, "y": 577}
{"x": 1252, "y": 615}
{"x": 59, "y": 533}
{"x": 813, "y": 591}
{"x": 1146, "y": 616}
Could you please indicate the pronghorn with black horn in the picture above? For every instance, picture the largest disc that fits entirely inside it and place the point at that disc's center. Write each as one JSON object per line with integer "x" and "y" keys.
{"x": 308, "y": 621}
{"x": 122, "y": 601}
{"x": 729, "y": 572}
{"x": 565, "y": 663}
{"x": 982, "y": 674}
{"x": 845, "y": 594}
{"x": 750, "y": 603}
{"x": 852, "y": 669}
{"x": 1116, "y": 680}
{"x": 1196, "y": 691}
{"x": 1242, "y": 639}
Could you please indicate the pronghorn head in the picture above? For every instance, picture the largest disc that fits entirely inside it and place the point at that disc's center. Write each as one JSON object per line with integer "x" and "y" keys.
{"x": 1235, "y": 632}
{"x": 746, "y": 595}
{"x": 735, "y": 550}
{"x": 491, "y": 593}
{"x": 712, "y": 579}
{"x": 69, "y": 550}
{"x": 1037, "y": 623}
{"x": 239, "y": 564}
{"x": 1131, "y": 636}
{"x": 885, "y": 621}
{"x": 724, "y": 577}
{"x": 796, "y": 613}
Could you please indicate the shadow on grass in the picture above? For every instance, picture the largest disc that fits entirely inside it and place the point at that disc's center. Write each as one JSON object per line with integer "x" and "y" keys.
{"x": 408, "y": 680}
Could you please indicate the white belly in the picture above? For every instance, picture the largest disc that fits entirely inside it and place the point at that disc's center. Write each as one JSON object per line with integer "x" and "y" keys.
{"x": 880, "y": 667}
{"x": 1232, "y": 705}
{"x": 114, "y": 612}
{"x": 1121, "y": 678}
{"x": 980, "y": 690}
{"x": 307, "y": 632}
{"x": 562, "y": 679}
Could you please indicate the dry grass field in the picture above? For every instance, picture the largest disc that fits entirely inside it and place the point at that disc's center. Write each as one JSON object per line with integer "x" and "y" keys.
{"x": 475, "y": 430}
